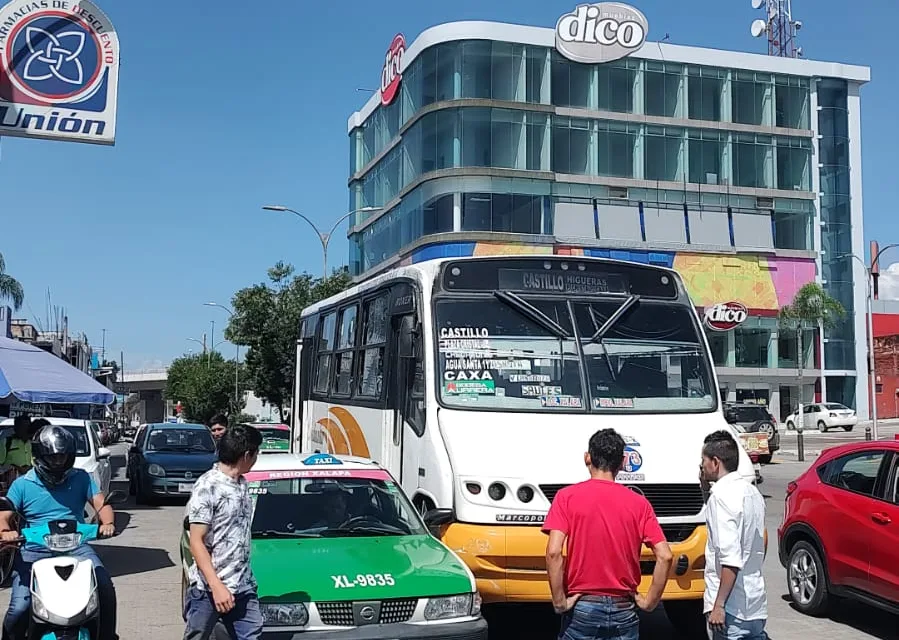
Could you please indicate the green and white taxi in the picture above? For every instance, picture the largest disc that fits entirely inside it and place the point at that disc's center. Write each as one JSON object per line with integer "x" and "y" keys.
{"x": 339, "y": 552}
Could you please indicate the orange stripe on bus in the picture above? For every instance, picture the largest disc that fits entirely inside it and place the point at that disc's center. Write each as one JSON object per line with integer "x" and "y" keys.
{"x": 340, "y": 443}
{"x": 354, "y": 435}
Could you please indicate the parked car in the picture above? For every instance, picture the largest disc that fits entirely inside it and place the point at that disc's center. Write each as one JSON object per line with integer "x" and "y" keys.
{"x": 824, "y": 416}
{"x": 840, "y": 532}
{"x": 90, "y": 454}
{"x": 755, "y": 418}
{"x": 167, "y": 458}
{"x": 338, "y": 548}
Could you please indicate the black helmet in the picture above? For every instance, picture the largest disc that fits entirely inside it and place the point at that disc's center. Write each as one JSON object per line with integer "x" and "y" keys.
{"x": 53, "y": 453}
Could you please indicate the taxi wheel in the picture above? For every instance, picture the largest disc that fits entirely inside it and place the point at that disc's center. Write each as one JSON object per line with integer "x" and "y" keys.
{"x": 687, "y": 618}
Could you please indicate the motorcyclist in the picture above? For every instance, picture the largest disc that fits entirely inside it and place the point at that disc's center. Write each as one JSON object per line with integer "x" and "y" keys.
{"x": 54, "y": 490}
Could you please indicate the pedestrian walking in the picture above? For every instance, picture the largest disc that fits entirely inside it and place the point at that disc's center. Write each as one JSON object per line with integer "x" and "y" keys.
{"x": 222, "y": 587}
{"x": 605, "y": 526}
{"x": 217, "y": 426}
{"x": 735, "y": 602}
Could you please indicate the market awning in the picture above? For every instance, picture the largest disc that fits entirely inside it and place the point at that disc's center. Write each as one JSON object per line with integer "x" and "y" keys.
{"x": 33, "y": 375}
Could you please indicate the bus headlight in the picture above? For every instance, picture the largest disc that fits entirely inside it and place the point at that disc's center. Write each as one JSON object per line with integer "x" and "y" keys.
{"x": 451, "y": 607}
{"x": 525, "y": 493}
{"x": 496, "y": 491}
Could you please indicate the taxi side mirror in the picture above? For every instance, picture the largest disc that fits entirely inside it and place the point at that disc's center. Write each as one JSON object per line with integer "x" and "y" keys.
{"x": 438, "y": 517}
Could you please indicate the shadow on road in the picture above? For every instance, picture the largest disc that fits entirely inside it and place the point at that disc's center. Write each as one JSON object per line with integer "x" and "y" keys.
{"x": 861, "y": 617}
{"x": 126, "y": 561}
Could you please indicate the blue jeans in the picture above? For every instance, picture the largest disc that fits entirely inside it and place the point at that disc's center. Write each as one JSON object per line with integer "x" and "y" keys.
{"x": 243, "y": 622}
{"x": 601, "y": 618}
{"x": 15, "y": 625}
{"x": 736, "y": 629}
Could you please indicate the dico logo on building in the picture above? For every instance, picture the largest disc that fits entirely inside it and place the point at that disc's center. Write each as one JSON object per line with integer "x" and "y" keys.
{"x": 390, "y": 74}
{"x": 59, "y": 71}
{"x": 724, "y": 316}
{"x": 601, "y": 32}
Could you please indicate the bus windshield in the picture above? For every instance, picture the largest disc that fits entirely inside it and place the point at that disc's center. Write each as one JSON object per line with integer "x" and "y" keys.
{"x": 521, "y": 353}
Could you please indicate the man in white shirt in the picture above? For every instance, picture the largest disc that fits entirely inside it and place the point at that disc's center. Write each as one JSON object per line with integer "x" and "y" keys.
{"x": 735, "y": 602}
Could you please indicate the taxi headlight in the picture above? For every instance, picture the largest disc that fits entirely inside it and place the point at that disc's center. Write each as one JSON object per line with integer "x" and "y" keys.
{"x": 156, "y": 470}
{"x": 285, "y": 614}
{"x": 450, "y": 607}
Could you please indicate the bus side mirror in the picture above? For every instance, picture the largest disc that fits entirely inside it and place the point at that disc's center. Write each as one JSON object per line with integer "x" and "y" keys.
{"x": 408, "y": 332}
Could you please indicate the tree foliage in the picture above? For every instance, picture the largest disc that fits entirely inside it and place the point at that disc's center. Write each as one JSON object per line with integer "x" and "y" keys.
{"x": 266, "y": 320}
{"x": 811, "y": 306}
{"x": 204, "y": 384}
{"x": 10, "y": 289}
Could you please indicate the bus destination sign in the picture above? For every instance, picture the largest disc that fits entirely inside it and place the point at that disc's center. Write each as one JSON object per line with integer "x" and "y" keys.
{"x": 561, "y": 282}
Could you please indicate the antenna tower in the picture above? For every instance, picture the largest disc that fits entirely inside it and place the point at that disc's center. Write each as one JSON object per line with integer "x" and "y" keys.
{"x": 779, "y": 27}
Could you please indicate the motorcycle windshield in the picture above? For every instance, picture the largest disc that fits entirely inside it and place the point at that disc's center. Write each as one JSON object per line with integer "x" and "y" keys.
{"x": 60, "y": 535}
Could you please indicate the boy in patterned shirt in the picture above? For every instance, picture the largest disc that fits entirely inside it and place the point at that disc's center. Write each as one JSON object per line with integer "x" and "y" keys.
{"x": 220, "y": 512}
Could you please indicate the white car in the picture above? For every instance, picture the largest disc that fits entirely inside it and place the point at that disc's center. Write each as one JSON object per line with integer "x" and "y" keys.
{"x": 824, "y": 416}
{"x": 89, "y": 455}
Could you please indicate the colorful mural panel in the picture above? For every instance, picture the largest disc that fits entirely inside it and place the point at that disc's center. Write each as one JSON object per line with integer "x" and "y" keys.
{"x": 762, "y": 283}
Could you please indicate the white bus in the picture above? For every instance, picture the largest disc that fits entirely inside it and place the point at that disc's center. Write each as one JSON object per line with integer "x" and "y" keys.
{"x": 478, "y": 381}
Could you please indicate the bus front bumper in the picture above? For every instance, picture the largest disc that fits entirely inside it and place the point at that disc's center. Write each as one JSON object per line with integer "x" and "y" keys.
{"x": 509, "y": 563}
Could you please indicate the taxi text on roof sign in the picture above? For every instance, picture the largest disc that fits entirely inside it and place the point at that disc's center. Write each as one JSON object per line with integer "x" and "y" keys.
{"x": 320, "y": 459}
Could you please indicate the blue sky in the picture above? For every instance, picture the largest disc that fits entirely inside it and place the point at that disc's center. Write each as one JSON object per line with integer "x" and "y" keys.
{"x": 226, "y": 106}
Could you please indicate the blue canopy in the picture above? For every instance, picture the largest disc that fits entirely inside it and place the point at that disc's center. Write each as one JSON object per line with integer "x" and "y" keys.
{"x": 34, "y": 375}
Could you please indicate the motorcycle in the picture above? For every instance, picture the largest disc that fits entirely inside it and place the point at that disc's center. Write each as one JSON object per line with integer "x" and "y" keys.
{"x": 65, "y": 603}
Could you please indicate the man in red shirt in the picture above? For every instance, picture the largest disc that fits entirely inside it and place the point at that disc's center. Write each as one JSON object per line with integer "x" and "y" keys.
{"x": 605, "y": 525}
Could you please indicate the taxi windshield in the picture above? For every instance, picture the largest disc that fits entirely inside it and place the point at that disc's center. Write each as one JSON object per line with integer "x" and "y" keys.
{"x": 333, "y": 508}
{"x": 271, "y": 433}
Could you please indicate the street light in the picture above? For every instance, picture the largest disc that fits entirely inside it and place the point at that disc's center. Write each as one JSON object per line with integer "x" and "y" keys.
{"x": 198, "y": 341}
{"x": 236, "y": 353}
{"x": 324, "y": 238}
{"x": 871, "y": 431}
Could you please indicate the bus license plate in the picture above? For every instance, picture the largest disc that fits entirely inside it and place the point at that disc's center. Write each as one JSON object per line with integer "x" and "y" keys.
{"x": 185, "y": 487}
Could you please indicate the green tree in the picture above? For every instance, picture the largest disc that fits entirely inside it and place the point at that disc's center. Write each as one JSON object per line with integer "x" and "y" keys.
{"x": 811, "y": 308}
{"x": 266, "y": 320}
{"x": 204, "y": 384}
{"x": 10, "y": 289}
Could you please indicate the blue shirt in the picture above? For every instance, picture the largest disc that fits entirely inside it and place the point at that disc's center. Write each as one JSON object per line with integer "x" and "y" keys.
{"x": 39, "y": 504}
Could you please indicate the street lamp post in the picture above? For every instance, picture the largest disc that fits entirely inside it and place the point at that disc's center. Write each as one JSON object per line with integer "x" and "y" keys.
{"x": 236, "y": 354}
{"x": 871, "y": 431}
{"x": 198, "y": 341}
{"x": 324, "y": 238}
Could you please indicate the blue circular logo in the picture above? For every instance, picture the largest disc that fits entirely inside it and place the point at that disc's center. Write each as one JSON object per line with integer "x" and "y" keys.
{"x": 632, "y": 460}
{"x": 54, "y": 57}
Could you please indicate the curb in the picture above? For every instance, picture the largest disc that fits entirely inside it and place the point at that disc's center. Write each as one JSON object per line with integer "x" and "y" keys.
{"x": 809, "y": 453}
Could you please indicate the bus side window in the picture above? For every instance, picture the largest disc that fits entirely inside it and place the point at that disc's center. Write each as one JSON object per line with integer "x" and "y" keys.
{"x": 412, "y": 383}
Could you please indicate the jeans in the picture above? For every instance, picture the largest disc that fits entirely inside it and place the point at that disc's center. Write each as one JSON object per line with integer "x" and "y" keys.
{"x": 243, "y": 622}
{"x": 736, "y": 629}
{"x": 15, "y": 625}
{"x": 601, "y": 618}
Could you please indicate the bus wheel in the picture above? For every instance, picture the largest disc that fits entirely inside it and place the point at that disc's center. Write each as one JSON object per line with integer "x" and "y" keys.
{"x": 687, "y": 618}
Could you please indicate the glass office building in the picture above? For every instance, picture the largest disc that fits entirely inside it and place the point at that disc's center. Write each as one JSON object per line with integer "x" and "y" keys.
{"x": 740, "y": 171}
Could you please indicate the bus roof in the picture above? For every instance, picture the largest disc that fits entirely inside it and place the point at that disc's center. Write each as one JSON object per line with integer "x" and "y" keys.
{"x": 428, "y": 269}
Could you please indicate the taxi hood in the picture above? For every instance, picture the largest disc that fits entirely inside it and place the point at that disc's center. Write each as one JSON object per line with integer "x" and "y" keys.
{"x": 546, "y": 448}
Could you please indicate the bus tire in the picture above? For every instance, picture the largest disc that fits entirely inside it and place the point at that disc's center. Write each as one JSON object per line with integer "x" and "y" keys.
{"x": 687, "y": 618}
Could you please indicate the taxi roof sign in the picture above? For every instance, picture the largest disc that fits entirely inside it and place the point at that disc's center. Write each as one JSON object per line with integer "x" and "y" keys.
{"x": 321, "y": 459}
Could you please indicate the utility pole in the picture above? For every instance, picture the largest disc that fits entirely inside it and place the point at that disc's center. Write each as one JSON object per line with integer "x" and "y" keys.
{"x": 103, "y": 348}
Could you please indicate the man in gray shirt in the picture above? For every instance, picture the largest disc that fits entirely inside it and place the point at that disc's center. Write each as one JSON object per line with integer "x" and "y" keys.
{"x": 220, "y": 513}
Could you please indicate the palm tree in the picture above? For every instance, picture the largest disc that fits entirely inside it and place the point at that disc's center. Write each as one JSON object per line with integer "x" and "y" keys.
{"x": 10, "y": 288}
{"x": 811, "y": 308}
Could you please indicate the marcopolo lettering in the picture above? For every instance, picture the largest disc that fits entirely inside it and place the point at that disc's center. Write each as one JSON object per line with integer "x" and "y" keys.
{"x": 390, "y": 74}
{"x": 724, "y": 316}
{"x": 601, "y": 32}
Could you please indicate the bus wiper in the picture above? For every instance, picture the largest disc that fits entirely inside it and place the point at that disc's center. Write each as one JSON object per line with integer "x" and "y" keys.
{"x": 531, "y": 312}
{"x": 614, "y": 318}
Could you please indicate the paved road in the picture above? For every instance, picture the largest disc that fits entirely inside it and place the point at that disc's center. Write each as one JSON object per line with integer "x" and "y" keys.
{"x": 144, "y": 563}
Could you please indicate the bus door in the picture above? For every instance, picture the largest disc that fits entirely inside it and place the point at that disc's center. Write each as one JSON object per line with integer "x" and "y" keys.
{"x": 406, "y": 392}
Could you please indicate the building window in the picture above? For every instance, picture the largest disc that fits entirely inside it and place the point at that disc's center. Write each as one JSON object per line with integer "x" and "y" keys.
{"x": 663, "y": 148}
{"x": 570, "y": 83}
{"x": 571, "y": 145}
{"x": 615, "y": 84}
{"x": 662, "y": 89}
{"x": 535, "y": 134}
{"x": 718, "y": 346}
{"x": 753, "y": 161}
{"x": 538, "y": 87}
{"x": 751, "y": 347}
{"x": 706, "y": 151}
{"x": 704, "y": 90}
{"x": 792, "y": 230}
{"x": 615, "y": 144}
{"x": 501, "y": 213}
{"x": 437, "y": 215}
{"x": 794, "y": 164}
{"x": 751, "y": 98}
{"x": 791, "y": 102}
{"x": 476, "y": 69}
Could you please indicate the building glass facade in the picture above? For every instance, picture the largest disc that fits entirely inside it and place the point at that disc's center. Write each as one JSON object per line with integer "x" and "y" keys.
{"x": 503, "y": 144}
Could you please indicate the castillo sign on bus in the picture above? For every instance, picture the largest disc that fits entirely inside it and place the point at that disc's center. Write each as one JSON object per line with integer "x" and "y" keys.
{"x": 59, "y": 71}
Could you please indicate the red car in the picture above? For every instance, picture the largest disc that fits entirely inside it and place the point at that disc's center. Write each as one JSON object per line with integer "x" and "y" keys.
{"x": 840, "y": 533}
